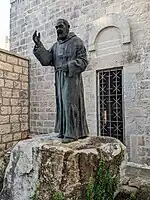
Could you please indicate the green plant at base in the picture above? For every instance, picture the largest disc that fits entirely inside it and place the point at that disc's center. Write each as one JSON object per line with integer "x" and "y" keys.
{"x": 132, "y": 196}
{"x": 89, "y": 193}
{"x": 104, "y": 186}
{"x": 35, "y": 197}
{"x": 58, "y": 196}
{"x": 110, "y": 185}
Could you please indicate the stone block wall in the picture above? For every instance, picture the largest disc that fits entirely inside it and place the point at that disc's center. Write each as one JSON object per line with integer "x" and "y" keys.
{"x": 14, "y": 103}
{"x": 116, "y": 34}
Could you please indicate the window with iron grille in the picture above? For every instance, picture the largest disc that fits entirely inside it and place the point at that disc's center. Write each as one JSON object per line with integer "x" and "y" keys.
{"x": 109, "y": 103}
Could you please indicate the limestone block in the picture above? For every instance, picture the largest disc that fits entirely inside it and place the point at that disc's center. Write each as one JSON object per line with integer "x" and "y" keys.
{"x": 23, "y": 62}
{"x": 8, "y": 83}
{"x": 6, "y": 92}
{"x": 14, "y": 118}
{"x": 15, "y": 127}
{"x": 7, "y": 138}
{"x": 4, "y": 129}
{"x": 14, "y": 101}
{"x": 12, "y": 59}
{"x": 6, "y": 101}
{"x": 6, "y": 66}
{"x": 16, "y": 93}
{"x": 1, "y": 73}
{"x": 25, "y": 71}
{"x": 4, "y": 119}
{"x": 24, "y": 102}
{"x": 25, "y": 110}
{"x": 17, "y": 69}
{"x": 24, "y": 127}
{"x": 11, "y": 75}
{"x": 24, "y": 85}
{"x": 5, "y": 110}
{"x": 23, "y": 118}
{"x": 1, "y": 82}
{"x": 2, "y": 147}
{"x": 24, "y": 94}
{"x": 24, "y": 78}
{"x": 42, "y": 165}
{"x": 2, "y": 56}
{"x": 16, "y": 110}
{"x": 17, "y": 136}
{"x": 17, "y": 84}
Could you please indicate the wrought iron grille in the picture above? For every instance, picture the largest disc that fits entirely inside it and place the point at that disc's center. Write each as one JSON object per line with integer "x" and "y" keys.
{"x": 109, "y": 103}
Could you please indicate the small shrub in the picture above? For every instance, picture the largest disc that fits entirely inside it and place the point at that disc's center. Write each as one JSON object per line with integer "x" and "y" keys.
{"x": 104, "y": 186}
{"x": 90, "y": 188}
{"x": 58, "y": 196}
{"x": 34, "y": 197}
{"x": 132, "y": 196}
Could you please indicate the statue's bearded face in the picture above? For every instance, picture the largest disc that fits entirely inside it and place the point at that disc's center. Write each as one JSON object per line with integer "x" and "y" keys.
{"x": 62, "y": 30}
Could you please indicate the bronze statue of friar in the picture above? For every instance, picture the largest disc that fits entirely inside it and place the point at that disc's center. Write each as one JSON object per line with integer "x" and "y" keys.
{"x": 69, "y": 58}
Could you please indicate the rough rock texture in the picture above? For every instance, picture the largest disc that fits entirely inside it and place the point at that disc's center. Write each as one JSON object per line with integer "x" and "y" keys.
{"x": 40, "y": 166}
{"x": 22, "y": 172}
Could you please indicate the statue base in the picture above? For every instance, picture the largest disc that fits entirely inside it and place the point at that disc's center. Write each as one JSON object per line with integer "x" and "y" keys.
{"x": 43, "y": 165}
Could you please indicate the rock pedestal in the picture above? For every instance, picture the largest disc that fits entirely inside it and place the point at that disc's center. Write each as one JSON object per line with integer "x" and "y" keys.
{"x": 43, "y": 165}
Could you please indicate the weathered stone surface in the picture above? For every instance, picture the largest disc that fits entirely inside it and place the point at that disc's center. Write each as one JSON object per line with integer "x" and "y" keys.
{"x": 43, "y": 165}
{"x": 2, "y": 56}
{"x": 12, "y": 60}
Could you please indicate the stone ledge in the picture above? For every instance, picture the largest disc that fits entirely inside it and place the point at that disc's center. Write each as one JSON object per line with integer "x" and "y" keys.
{"x": 134, "y": 170}
{"x": 13, "y": 54}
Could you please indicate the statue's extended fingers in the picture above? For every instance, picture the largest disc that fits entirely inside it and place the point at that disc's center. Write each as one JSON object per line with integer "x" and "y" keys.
{"x": 39, "y": 36}
{"x": 35, "y": 34}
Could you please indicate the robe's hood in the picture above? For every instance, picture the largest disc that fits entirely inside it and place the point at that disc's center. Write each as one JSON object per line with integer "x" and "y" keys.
{"x": 70, "y": 35}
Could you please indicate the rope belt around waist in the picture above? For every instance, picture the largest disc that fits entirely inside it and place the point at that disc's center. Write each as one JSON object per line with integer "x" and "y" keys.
{"x": 58, "y": 69}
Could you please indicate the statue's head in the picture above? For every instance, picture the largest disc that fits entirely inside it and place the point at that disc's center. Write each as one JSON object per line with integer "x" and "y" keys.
{"x": 62, "y": 28}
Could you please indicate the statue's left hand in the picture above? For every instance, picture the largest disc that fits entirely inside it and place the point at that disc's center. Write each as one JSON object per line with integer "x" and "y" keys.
{"x": 36, "y": 38}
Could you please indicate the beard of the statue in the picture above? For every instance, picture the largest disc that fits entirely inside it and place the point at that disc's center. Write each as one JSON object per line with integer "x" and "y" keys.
{"x": 62, "y": 34}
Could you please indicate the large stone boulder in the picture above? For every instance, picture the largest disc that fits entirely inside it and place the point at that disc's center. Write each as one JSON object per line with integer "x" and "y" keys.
{"x": 43, "y": 165}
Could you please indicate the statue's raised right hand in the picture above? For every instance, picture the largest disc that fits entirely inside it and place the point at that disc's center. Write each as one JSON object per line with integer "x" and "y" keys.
{"x": 36, "y": 38}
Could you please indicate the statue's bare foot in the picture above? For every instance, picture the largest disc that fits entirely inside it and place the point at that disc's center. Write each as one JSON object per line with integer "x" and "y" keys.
{"x": 60, "y": 136}
{"x": 83, "y": 137}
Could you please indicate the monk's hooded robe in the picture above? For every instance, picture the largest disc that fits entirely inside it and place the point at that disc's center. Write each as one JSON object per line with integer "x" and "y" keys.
{"x": 70, "y": 110}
